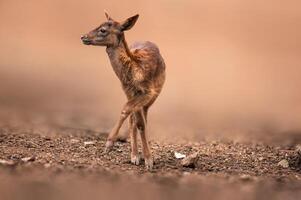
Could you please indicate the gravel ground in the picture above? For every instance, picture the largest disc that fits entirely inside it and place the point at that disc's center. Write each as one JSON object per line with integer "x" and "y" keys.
{"x": 63, "y": 163}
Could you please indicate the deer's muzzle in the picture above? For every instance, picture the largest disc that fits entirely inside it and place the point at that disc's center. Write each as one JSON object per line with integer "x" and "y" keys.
{"x": 86, "y": 40}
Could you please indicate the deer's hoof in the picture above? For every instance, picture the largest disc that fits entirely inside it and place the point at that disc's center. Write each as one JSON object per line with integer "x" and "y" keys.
{"x": 109, "y": 146}
{"x": 135, "y": 159}
{"x": 149, "y": 163}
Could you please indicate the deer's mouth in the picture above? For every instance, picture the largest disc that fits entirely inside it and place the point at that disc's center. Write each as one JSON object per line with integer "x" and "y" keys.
{"x": 86, "y": 40}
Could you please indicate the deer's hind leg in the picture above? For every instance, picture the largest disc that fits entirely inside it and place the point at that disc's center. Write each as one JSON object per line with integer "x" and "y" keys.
{"x": 147, "y": 106}
{"x": 134, "y": 145}
{"x": 141, "y": 126}
{"x": 131, "y": 106}
{"x": 122, "y": 137}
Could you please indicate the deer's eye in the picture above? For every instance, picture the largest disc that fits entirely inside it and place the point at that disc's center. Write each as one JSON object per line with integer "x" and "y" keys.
{"x": 102, "y": 32}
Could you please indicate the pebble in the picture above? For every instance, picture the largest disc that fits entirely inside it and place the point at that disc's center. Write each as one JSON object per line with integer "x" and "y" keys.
{"x": 74, "y": 141}
{"x": 87, "y": 143}
{"x": 245, "y": 177}
{"x": 179, "y": 155}
{"x": 47, "y": 138}
{"x": 6, "y": 162}
{"x": 298, "y": 149}
{"x": 283, "y": 163}
{"x": 191, "y": 160}
{"x": 260, "y": 158}
{"x": 29, "y": 159}
{"x": 47, "y": 165}
{"x": 186, "y": 173}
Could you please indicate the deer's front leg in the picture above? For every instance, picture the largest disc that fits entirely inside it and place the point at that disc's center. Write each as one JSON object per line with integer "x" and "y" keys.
{"x": 113, "y": 134}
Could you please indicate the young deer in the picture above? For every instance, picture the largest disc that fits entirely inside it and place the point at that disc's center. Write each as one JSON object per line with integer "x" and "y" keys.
{"x": 141, "y": 70}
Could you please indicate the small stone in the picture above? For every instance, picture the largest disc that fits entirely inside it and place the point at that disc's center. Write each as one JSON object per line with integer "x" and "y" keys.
{"x": 260, "y": 158}
{"x": 298, "y": 149}
{"x": 191, "y": 160}
{"x": 245, "y": 177}
{"x": 179, "y": 155}
{"x": 29, "y": 159}
{"x": 74, "y": 141}
{"x": 47, "y": 165}
{"x": 186, "y": 173}
{"x": 47, "y": 138}
{"x": 283, "y": 163}
{"x": 87, "y": 143}
{"x": 7, "y": 162}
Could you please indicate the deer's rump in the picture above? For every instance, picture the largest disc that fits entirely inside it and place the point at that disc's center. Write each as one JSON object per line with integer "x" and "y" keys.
{"x": 148, "y": 75}
{"x": 150, "y": 61}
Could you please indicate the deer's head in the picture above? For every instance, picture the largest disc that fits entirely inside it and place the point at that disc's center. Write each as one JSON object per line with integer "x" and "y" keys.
{"x": 109, "y": 33}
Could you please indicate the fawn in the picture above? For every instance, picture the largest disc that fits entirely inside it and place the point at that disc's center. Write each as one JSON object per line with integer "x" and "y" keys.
{"x": 141, "y": 71}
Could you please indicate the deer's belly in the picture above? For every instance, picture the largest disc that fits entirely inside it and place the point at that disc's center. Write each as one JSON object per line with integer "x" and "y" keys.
{"x": 133, "y": 90}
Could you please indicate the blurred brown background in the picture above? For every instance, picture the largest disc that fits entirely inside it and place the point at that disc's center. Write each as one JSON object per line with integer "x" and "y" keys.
{"x": 233, "y": 67}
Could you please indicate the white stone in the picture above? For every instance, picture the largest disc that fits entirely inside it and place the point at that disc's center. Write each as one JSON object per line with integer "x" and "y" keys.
{"x": 179, "y": 155}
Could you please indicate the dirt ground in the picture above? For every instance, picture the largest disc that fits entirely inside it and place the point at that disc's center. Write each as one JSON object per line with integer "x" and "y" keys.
{"x": 232, "y": 94}
{"x": 67, "y": 163}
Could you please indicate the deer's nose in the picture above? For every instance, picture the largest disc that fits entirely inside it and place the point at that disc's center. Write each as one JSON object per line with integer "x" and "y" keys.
{"x": 84, "y": 37}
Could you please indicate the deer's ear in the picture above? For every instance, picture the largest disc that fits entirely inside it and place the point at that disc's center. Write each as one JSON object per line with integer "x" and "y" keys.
{"x": 108, "y": 16}
{"x": 129, "y": 23}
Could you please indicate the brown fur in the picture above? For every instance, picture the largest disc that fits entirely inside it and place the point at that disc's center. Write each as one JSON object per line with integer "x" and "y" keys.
{"x": 141, "y": 71}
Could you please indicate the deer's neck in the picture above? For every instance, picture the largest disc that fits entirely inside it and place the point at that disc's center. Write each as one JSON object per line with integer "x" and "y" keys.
{"x": 121, "y": 58}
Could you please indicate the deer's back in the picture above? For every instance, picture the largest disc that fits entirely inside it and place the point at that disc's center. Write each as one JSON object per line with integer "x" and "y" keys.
{"x": 149, "y": 59}
{"x": 147, "y": 74}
